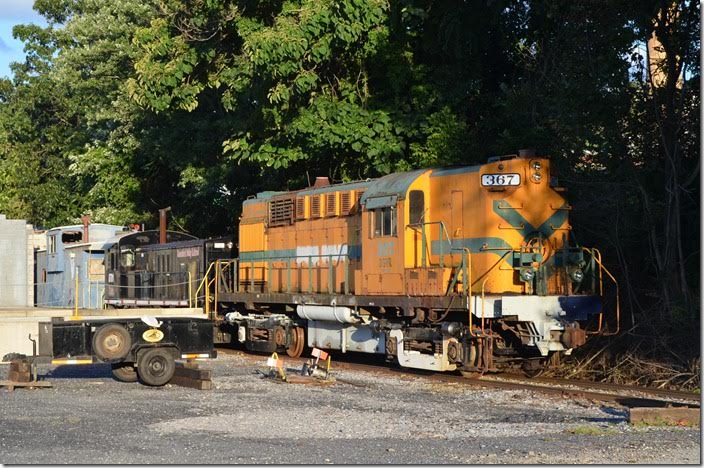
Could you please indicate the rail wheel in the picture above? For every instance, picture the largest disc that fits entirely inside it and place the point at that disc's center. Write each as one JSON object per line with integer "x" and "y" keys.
{"x": 156, "y": 366}
{"x": 534, "y": 367}
{"x": 298, "y": 339}
{"x": 111, "y": 342}
{"x": 124, "y": 372}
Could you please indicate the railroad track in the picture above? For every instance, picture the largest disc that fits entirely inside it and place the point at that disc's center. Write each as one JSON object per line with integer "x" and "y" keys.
{"x": 623, "y": 395}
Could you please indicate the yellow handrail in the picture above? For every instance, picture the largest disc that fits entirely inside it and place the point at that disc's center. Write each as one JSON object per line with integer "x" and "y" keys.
{"x": 190, "y": 290}
{"x": 203, "y": 282}
{"x": 618, "y": 298}
{"x": 487, "y": 279}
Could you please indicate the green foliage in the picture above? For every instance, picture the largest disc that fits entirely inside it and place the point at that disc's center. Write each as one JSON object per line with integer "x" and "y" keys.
{"x": 125, "y": 106}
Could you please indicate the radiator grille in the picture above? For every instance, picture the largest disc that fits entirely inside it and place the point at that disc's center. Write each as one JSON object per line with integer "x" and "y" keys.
{"x": 280, "y": 211}
{"x": 300, "y": 208}
{"x": 315, "y": 206}
{"x": 345, "y": 203}
{"x": 330, "y": 204}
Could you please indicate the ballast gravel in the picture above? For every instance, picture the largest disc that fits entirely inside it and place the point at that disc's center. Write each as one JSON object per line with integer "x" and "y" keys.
{"x": 369, "y": 418}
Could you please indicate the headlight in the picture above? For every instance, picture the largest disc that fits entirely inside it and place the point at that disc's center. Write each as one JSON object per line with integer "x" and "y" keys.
{"x": 536, "y": 165}
{"x": 577, "y": 275}
{"x": 527, "y": 274}
{"x": 537, "y": 176}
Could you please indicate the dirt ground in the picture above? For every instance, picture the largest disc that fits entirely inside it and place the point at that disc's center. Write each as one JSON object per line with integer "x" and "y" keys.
{"x": 89, "y": 418}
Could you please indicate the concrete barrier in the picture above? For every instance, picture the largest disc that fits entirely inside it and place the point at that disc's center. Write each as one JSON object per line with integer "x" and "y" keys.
{"x": 16, "y": 324}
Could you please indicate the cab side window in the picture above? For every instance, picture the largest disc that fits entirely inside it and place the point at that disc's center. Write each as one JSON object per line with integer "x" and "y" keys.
{"x": 416, "y": 207}
{"x": 384, "y": 222}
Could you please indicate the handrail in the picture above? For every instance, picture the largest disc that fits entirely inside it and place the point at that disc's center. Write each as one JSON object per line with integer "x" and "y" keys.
{"x": 618, "y": 298}
{"x": 341, "y": 258}
{"x": 443, "y": 230}
{"x": 218, "y": 273}
{"x": 487, "y": 279}
{"x": 202, "y": 283}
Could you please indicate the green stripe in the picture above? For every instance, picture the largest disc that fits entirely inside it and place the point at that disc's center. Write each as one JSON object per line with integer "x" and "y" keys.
{"x": 497, "y": 245}
{"x": 519, "y": 223}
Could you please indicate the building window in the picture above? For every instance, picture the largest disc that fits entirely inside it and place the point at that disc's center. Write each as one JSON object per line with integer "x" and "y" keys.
{"x": 384, "y": 222}
{"x": 52, "y": 244}
{"x": 71, "y": 237}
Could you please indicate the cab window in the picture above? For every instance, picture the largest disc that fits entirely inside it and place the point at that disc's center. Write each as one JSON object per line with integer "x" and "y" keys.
{"x": 127, "y": 258}
{"x": 384, "y": 222}
{"x": 416, "y": 208}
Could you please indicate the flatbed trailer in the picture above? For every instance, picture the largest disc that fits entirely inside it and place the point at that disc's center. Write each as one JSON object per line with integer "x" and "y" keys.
{"x": 143, "y": 349}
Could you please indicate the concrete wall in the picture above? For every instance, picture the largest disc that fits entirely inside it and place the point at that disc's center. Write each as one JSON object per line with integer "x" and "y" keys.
{"x": 15, "y": 277}
{"x": 36, "y": 241}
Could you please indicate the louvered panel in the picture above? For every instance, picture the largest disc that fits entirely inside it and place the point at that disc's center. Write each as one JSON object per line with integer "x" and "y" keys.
{"x": 345, "y": 203}
{"x": 315, "y": 206}
{"x": 330, "y": 204}
{"x": 300, "y": 208}
{"x": 281, "y": 211}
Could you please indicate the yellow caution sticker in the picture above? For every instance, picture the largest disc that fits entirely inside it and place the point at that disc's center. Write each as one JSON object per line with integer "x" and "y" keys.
{"x": 153, "y": 335}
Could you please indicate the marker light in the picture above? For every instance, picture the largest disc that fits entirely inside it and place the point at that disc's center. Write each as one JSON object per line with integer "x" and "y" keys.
{"x": 578, "y": 275}
{"x": 527, "y": 274}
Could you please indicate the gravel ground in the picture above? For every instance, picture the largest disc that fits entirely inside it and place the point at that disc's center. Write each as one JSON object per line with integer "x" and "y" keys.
{"x": 88, "y": 418}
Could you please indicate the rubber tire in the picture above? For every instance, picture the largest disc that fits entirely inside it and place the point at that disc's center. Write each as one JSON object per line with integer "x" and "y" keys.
{"x": 125, "y": 372}
{"x": 156, "y": 366}
{"x": 105, "y": 332}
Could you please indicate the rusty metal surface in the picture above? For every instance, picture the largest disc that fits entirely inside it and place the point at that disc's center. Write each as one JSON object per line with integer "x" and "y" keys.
{"x": 665, "y": 416}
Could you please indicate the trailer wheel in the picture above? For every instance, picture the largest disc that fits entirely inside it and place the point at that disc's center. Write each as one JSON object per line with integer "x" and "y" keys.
{"x": 111, "y": 342}
{"x": 156, "y": 366}
{"x": 124, "y": 372}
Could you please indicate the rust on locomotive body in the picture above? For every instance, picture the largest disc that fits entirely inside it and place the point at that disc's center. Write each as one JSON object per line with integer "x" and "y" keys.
{"x": 466, "y": 267}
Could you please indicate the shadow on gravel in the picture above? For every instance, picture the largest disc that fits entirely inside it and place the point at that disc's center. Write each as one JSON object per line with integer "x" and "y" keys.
{"x": 84, "y": 371}
{"x": 615, "y": 415}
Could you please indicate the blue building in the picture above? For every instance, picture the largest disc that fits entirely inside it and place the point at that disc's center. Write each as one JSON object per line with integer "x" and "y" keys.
{"x": 74, "y": 255}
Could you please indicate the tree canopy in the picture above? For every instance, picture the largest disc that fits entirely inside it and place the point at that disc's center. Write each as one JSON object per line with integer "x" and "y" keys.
{"x": 125, "y": 106}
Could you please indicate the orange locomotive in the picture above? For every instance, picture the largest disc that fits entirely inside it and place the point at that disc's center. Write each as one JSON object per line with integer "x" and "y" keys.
{"x": 468, "y": 268}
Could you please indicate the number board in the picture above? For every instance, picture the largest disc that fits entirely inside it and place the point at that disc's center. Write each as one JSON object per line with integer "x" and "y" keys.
{"x": 500, "y": 179}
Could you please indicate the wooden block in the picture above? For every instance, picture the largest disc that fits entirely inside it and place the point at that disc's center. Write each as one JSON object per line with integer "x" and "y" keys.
{"x": 16, "y": 376}
{"x": 11, "y": 385}
{"x": 192, "y": 383}
{"x": 201, "y": 374}
{"x": 190, "y": 364}
{"x": 19, "y": 366}
{"x": 665, "y": 416}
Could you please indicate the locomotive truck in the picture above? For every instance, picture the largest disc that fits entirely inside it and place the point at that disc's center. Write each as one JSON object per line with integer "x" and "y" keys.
{"x": 472, "y": 268}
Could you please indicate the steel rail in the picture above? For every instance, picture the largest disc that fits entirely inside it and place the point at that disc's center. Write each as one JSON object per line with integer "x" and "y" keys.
{"x": 624, "y": 395}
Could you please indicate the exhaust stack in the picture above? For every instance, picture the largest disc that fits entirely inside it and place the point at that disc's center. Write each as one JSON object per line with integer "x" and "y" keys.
{"x": 162, "y": 224}
{"x": 86, "y": 229}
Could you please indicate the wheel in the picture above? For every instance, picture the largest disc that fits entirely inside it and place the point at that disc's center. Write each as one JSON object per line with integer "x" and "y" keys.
{"x": 156, "y": 366}
{"x": 534, "y": 367}
{"x": 112, "y": 342}
{"x": 124, "y": 372}
{"x": 295, "y": 349}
